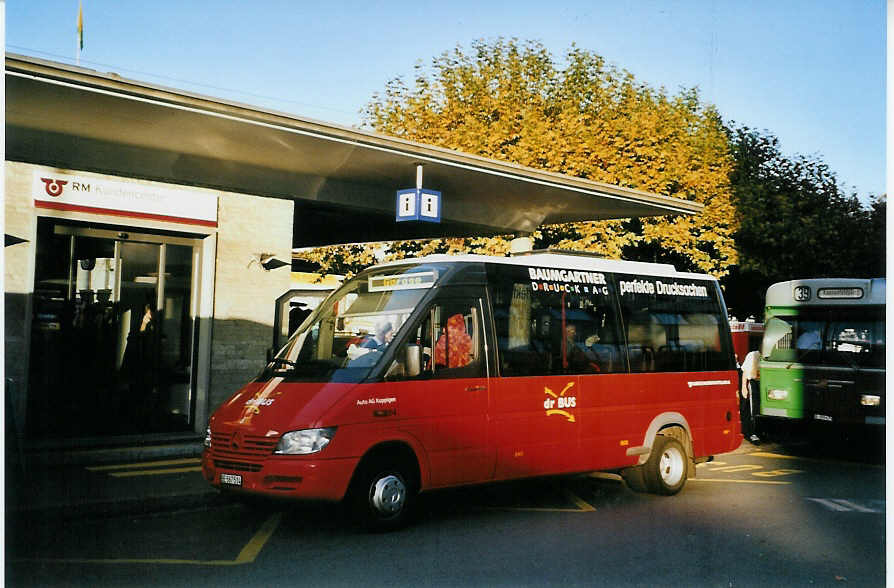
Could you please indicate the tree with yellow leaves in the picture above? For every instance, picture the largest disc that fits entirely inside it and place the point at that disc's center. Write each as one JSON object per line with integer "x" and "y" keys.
{"x": 512, "y": 101}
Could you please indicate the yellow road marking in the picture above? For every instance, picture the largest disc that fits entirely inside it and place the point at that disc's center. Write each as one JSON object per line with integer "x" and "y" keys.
{"x": 248, "y": 554}
{"x": 145, "y": 464}
{"x": 253, "y": 547}
{"x": 582, "y": 504}
{"x": 745, "y": 467}
{"x": 774, "y": 473}
{"x": 737, "y": 481}
{"x": 534, "y": 509}
{"x": 155, "y": 472}
{"x": 773, "y": 455}
{"x": 815, "y": 460}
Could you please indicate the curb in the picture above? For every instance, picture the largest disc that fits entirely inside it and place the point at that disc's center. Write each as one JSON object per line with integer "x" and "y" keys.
{"x": 46, "y": 457}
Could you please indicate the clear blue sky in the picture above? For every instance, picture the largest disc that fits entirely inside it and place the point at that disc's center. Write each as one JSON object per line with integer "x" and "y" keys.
{"x": 810, "y": 71}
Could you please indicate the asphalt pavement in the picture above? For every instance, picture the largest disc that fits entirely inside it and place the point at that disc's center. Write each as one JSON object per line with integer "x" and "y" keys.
{"x": 133, "y": 480}
{"x": 52, "y": 483}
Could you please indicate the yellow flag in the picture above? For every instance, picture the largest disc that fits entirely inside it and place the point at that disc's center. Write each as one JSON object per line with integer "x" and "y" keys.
{"x": 80, "y": 26}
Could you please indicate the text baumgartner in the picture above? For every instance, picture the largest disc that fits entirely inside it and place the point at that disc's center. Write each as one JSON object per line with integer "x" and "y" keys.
{"x": 546, "y": 280}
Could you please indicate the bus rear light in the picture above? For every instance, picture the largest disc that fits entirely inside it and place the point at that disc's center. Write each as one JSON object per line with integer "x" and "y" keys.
{"x": 777, "y": 394}
{"x": 870, "y": 400}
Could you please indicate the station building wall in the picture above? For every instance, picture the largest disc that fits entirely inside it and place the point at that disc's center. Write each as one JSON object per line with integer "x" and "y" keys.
{"x": 235, "y": 309}
{"x": 245, "y": 294}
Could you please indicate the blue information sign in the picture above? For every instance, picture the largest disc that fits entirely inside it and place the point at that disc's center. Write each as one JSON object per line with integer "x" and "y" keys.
{"x": 418, "y": 204}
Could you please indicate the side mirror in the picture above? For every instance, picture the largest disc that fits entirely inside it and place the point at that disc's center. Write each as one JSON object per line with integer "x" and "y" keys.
{"x": 414, "y": 360}
{"x": 270, "y": 352}
{"x": 395, "y": 371}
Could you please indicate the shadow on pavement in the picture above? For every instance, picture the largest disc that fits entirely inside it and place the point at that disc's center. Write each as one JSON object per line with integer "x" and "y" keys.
{"x": 853, "y": 445}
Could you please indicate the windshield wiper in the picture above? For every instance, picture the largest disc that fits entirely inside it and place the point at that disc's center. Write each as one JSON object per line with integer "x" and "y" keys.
{"x": 314, "y": 368}
{"x": 283, "y": 361}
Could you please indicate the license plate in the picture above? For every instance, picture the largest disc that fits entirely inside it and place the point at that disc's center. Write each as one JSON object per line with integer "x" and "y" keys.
{"x": 232, "y": 479}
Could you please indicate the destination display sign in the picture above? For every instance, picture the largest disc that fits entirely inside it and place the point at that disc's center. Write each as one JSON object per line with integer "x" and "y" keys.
{"x": 411, "y": 281}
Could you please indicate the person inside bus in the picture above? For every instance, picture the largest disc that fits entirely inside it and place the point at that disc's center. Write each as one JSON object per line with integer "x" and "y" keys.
{"x": 603, "y": 348}
{"x": 383, "y": 336}
{"x": 810, "y": 339}
{"x": 577, "y": 359}
{"x": 454, "y": 346}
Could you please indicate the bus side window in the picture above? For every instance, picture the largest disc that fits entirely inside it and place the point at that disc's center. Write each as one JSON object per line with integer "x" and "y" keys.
{"x": 446, "y": 343}
{"x": 674, "y": 332}
{"x": 550, "y": 332}
{"x": 522, "y": 325}
{"x": 457, "y": 349}
{"x": 605, "y": 345}
{"x": 640, "y": 345}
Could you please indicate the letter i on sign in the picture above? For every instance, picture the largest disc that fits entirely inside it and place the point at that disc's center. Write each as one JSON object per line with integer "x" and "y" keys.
{"x": 430, "y": 205}
{"x": 408, "y": 204}
{"x": 407, "y": 209}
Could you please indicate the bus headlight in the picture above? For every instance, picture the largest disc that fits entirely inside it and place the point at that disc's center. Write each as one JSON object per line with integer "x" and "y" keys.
{"x": 208, "y": 436}
{"x": 777, "y": 394}
{"x": 304, "y": 441}
{"x": 870, "y": 400}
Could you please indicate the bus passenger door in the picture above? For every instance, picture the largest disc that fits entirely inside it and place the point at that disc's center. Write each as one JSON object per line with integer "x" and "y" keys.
{"x": 537, "y": 406}
{"x": 444, "y": 405}
{"x": 536, "y": 425}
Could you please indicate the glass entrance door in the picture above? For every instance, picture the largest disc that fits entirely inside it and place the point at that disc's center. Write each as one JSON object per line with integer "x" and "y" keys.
{"x": 112, "y": 333}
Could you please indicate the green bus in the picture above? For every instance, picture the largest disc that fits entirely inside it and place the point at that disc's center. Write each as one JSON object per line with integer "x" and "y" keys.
{"x": 822, "y": 357}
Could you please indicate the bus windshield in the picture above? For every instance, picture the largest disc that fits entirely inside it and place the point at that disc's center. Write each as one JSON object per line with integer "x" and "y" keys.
{"x": 351, "y": 331}
{"x": 834, "y": 338}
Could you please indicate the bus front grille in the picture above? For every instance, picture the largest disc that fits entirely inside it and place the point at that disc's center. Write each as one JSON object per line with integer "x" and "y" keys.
{"x": 241, "y": 447}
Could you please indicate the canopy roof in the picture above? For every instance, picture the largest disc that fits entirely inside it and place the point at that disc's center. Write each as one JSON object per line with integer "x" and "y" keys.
{"x": 343, "y": 180}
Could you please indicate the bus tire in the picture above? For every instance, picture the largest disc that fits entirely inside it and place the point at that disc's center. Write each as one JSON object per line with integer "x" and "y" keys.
{"x": 382, "y": 496}
{"x": 665, "y": 471}
{"x": 634, "y": 478}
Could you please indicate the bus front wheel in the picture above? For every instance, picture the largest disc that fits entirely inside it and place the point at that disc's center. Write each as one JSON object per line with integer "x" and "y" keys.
{"x": 383, "y": 496}
{"x": 665, "y": 471}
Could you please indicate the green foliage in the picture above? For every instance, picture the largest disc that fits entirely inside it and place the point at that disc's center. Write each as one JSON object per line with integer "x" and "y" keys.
{"x": 795, "y": 222}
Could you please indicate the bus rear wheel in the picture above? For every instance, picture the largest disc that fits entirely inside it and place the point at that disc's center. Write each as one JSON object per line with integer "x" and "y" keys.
{"x": 665, "y": 471}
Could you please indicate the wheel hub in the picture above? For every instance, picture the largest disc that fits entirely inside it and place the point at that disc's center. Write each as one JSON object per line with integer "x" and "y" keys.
{"x": 389, "y": 495}
{"x": 671, "y": 467}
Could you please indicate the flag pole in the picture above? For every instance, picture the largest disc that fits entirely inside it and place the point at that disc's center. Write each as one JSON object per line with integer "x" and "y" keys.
{"x": 79, "y": 36}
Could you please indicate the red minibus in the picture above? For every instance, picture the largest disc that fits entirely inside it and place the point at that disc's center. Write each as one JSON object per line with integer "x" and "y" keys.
{"x": 746, "y": 338}
{"x": 452, "y": 370}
